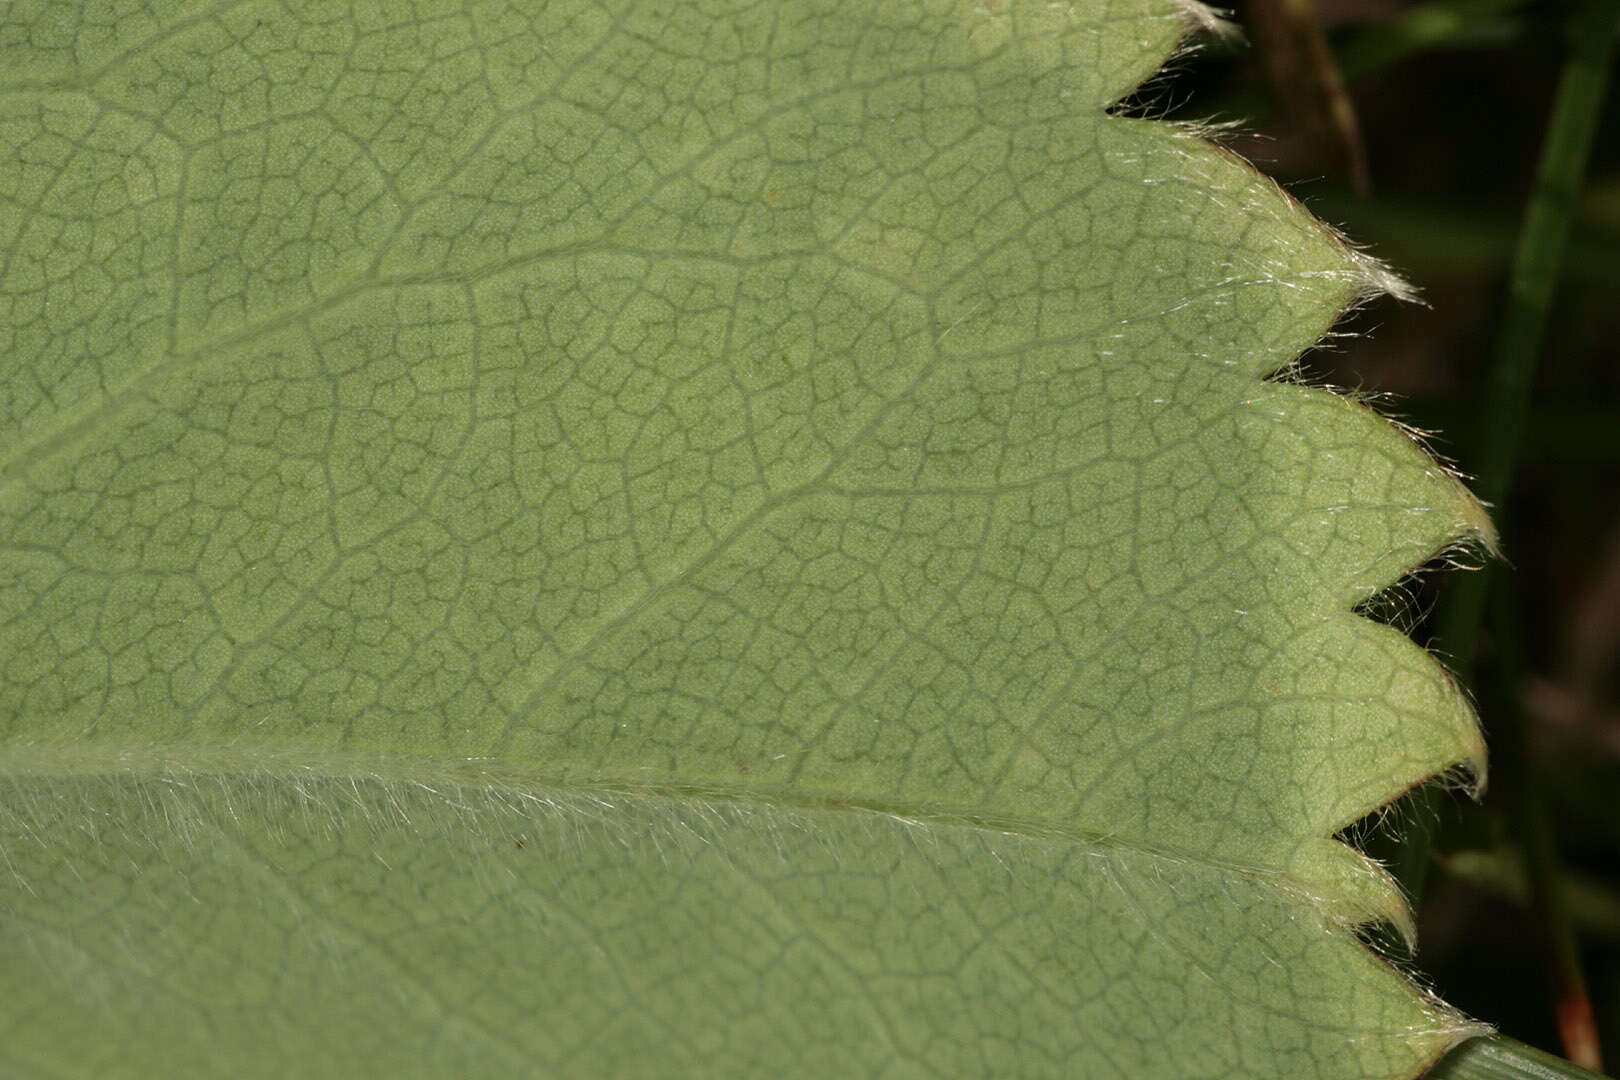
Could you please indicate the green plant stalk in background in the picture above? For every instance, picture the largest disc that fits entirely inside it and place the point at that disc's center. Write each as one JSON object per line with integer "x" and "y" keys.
{"x": 1572, "y": 125}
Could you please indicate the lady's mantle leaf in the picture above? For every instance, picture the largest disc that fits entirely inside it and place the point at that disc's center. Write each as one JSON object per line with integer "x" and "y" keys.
{"x": 658, "y": 538}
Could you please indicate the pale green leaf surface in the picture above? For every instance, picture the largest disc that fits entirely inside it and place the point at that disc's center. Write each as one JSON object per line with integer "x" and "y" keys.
{"x": 635, "y": 540}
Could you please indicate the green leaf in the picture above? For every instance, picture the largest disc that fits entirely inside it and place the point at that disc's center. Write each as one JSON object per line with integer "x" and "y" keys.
{"x": 641, "y": 540}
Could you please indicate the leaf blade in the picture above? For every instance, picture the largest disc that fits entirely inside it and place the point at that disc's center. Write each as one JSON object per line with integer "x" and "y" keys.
{"x": 838, "y": 435}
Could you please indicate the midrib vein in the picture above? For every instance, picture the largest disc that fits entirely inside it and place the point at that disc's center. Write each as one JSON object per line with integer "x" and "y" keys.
{"x": 512, "y": 784}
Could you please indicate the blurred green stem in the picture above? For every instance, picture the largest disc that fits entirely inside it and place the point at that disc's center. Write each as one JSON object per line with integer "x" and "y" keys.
{"x": 1577, "y": 106}
{"x": 1423, "y": 27}
{"x": 1594, "y": 908}
{"x": 1572, "y": 124}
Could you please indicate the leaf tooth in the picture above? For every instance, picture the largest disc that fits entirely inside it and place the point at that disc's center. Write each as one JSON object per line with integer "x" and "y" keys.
{"x": 1351, "y": 888}
{"x": 1361, "y": 503}
{"x": 1406, "y": 722}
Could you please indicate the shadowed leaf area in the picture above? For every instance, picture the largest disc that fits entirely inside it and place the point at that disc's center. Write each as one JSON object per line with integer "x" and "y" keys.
{"x": 651, "y": 540}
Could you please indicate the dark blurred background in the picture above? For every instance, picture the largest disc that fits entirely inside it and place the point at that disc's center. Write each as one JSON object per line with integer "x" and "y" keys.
{"x": 1417, "y": 129}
